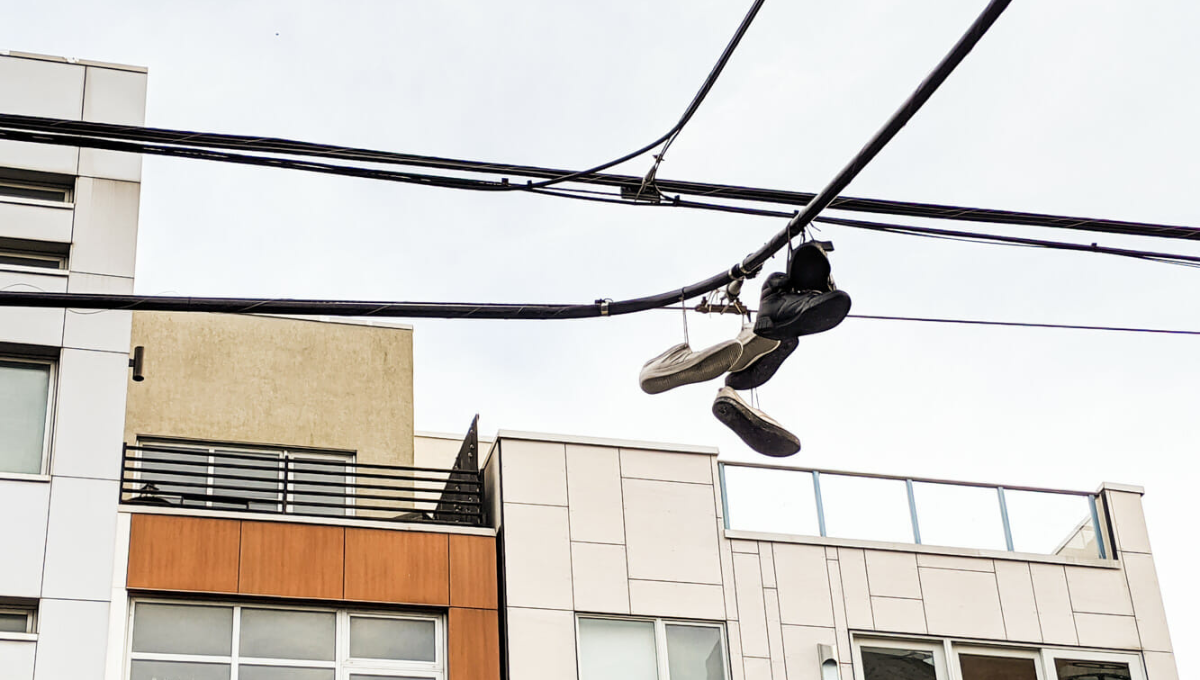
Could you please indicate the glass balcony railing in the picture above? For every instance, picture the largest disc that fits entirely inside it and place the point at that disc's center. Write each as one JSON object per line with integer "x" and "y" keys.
{"x": 868, "y": 507}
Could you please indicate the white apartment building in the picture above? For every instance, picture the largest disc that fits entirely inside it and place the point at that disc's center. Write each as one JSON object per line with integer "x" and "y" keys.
{"x": 636, "y": 561}
{"x": 68, "y": 223}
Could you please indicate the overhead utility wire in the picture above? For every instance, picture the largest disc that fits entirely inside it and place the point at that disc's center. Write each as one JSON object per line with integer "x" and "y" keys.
{"x": 747, "y": 267}
{"x": 164, "y": 142}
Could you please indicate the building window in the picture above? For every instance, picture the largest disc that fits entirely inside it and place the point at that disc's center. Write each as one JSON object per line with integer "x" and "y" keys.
{"x": 193, "y": 641}
{"x": 888, "y": 659}
{"x": 17, "y": 619}
{"x": 244, "y": 478}
{"x": 650, "y": 649}
{"x": 38, "y": 186}
{"x": 26, "y": 390}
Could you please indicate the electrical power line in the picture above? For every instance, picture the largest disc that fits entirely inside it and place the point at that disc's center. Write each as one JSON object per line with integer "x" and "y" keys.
{"x": 1025, "y": 324}
{"x": 746, "y": 267}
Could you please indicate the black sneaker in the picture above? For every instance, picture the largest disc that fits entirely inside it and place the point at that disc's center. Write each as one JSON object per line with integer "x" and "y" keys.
{"x": 757, "y": 429}
{"x": 758, "y": 373}
{"x": 783, "y": 314}
{"x": 808, "y": 268}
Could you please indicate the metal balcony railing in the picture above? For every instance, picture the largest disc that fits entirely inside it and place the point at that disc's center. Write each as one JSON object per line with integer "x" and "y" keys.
{"x": 895, "y": 509}
{"x": 298, "y": 484}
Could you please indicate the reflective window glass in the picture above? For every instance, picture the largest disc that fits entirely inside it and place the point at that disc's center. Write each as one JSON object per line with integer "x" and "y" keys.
{"x": 14, "y": 622}
{"x": 610, "y": 649}
{"x": 866, "y": 508}
{"x": 695, "y": 653}
{"x": 985, "y": 667}
{"x": 401, "y": 639}
{"x": 881, "y": 663}
{"x": 959, "y": 516}
{"x": 177, "y": 670}
{"x": 776, "y": 501}
{"x": 24, "y": 400}
{"x": 246, "y": 672}
{"x": 1051, "y": 524}
{"x": 182, "y": 629}
{"x": 1075, "y": 669}
{"x": 287, "y": 634}
{"x": 314, "y": 486}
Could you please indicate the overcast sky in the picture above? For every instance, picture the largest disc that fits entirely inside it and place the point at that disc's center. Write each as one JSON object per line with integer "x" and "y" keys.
{"x": 1078, "y": 107}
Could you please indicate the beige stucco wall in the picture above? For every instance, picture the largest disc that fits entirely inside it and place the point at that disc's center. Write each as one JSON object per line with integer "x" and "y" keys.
{"x": 277, "y": 381}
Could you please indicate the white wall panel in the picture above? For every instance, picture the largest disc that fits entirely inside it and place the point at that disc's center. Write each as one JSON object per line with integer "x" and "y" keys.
{"x": 537, "y": 562}
{"x": 752, "y": 613}
{"x": 1054, "y": 604}
{"x": 1098, "y": 591}
{"x": 113, "y": 96}
{"x": 23, "y": 541}
{"x": 965, "y": 603}
{"x": 16, "y": 659}
{"x": 599, "y": 578}
{"x": 535, "y": 472}
{"x": 1017, "y": 601}
{"x": 666, "y": 466}
{"x": 1147, "y": 602}
{"x": 800, "y": 650}
{"x": 61, "y": 160}
{"x": 105, "y": 235}
{"x": 72, "y": 635}
{"x": 893, "y": 574}
{"x": 803, "y": 582}
{"x": 1129, "y": 521}
{"x": 594, "y": 486}
{"x": 80, "y": 540}
{"x": 33, "y": 87}
{"x": 680, "y": 600}
{"x": 1106, "y": 631}
{"x": 1160, "y": 666}
{"x": 541, "y": 644}
{"x": 853, "y": 569}
{"x": 28, "y": 325}
{"x": 35, "y": 222}
{"x": 90, "y": 418}
{"x": 106, "y": 330}
{"x": 671, "y": 532}
{"x": 898, "y": 615}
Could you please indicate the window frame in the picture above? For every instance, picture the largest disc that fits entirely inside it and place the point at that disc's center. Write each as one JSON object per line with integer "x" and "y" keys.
{"x": 64, "y": 186}
{"x": 284, "y": 502}
{"x": 661, "y": 653}
{"x": 947, "y": 650}
{"x": 30, "y": 614}
{"x": 51, "y": 399}
{"x": 342, "y": 664}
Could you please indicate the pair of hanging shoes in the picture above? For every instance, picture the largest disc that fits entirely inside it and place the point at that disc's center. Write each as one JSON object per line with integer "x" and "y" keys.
{"x": 680, "y": 365}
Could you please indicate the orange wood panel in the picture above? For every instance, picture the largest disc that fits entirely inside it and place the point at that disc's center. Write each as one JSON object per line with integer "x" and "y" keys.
{"x": 472, "y": 571}
{"x": 407, "y": 567}
{"x": 292, "y": 560}
{"x": 474, "y": 641}
{"x": 183, "y": 553}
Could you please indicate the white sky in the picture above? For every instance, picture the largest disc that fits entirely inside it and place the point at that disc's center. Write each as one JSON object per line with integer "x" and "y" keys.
{"x": 1080, "y": 107}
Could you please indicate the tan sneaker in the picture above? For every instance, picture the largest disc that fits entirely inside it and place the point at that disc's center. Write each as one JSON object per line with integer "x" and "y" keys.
{"x": 681, "y": 366}
{"x": 754, "y": 347}
{"x": 757, "y": 429}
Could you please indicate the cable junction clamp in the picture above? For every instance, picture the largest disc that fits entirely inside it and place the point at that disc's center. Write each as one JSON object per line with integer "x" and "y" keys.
{"x": 603, "y": 302}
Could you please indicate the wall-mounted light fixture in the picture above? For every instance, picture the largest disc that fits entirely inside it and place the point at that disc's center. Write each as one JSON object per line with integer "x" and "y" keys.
{"x": 136, "y": 363}
{"x": 829, "y": 662}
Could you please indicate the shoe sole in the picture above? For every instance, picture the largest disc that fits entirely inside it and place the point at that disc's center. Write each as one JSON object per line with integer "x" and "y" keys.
{"x": 816, "y": 319}
{"x": 758, "y": 373}
{"x": 765, "y": 438}
{"x": 706, "y": 369}
{"x": 809, "y": 269}
{"x": 753, "y": 351}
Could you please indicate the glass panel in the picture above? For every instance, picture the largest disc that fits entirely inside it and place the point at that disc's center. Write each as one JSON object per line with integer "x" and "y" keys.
{"x": 24, "y": 396}
{"x": 778, "y": 501}
{"x": 1070, "y": 669}
{"x": 332, "y": 480}
{"x": 262, "y": 484}
{"x": 695, "y": 653}
{"x": 980, "y": 667}
{"x": 30, "y": 260}
{"x": 881, "y": 663}
{"x": 285, "y": 634}
{"x": 27, "y": 191}
{"x": 866, "y": 508}
{"x": 283, "y": 673}
{"x": 178, "y": 670}
{"x": 182, "y": 629}
{"x": 357, "y": 676}
{"x": 14, "y": 622}
{"x": 611, "y": 649}
{"x": 402, "y": 639}
{"x": 959, "y": 516}
{"x": 169, "y": 464}
{"x": 1051, "y": 523}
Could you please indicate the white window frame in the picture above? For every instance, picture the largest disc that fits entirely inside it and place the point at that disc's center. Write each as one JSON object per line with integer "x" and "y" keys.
{"x": 343, "y": 665}
{"x": 284, "y": 503}
{"x": 57, "y": 264}
{"x": 48, "y": 426}
{"x": 30, "y": 614}
{"x": 946, "y": 650}
{"x": 67, "y": 191}
{"x": 660, "y": 640}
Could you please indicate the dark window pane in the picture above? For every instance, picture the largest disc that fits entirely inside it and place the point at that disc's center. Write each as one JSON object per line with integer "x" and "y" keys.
{"x": 182, "y": 629}
{"x": 14, "y": 622}
{"x": 897, "y": 664}
{"x": 281, "y": 673}
{"x": 1070, "y": 669}
{"x": 172, "y": 471}
{"x": 178, "y": 670}
{"x": 307, "y": 477}
{"x": 260, "y": 486}
{"x": 27, "y": 191}
{"x": 695, "y": 653}
{"x": 981, "y": 667}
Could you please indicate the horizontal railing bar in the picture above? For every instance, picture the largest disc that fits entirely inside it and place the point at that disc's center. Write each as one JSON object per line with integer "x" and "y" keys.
{"x": 278, "y": 492}
{"x": 229, "y": 500}
{"x": 901, "y": 478}
{"x": 292, "y": 467}
{"x": 165, "y": 477}
{"x": 258, "y": 456}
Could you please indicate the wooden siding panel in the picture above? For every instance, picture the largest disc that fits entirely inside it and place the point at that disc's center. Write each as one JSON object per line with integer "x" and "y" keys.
{"x": 472, "y": 571}
{"x": 474, "y": 642}
{"x": 397, "y": 566}
{"x": 183, "y": 554}
{"x": 292, "y": 560}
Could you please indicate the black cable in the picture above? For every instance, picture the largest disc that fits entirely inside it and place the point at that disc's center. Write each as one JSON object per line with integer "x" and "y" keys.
{"x": 1023, "y": 324}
